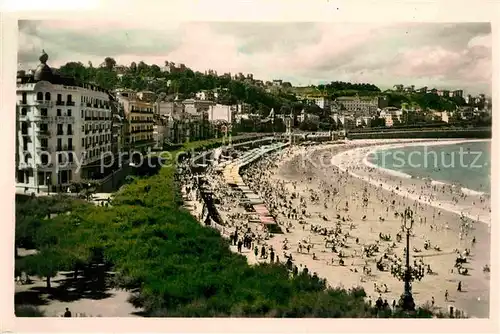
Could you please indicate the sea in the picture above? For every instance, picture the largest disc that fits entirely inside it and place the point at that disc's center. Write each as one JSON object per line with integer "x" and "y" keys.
{"x": 467, "y": 164}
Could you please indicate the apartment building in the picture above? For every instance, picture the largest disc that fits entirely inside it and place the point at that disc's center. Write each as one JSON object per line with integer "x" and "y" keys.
{"x": 173, "y": 117}
{"x": 196, "y": 117}
{"x": 321, "y": 101}
{"x": 63, "y": 129}
{"x": 303, "y": 117}
{"x": 361, "y": 106}
{"x": 221, "y": 112}
{"x": 117, "y": 127}
{"x": 138, "y": 121}
{"x": 345, "y": 121}
{"x": 391, "y": 116}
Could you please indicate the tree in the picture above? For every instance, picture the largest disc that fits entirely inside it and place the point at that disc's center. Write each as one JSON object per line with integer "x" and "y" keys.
{"x": 142, "y": 67}
{"x": 133, "y": 67}
{"x": 46, "y": 264}
{"x": 109, "y": 63}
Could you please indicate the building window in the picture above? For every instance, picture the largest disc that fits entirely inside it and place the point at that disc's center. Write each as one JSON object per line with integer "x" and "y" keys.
{"x": 39, "y": 96}
{"x": 83, "y": 141}
{"x": 59, "y": 97}
{"x": 41, "y": 178}
{"x": 70, "y": 156}
{"x": 69, "y": 112}
{"x": 47, "y": 96}
{"x": 59, "y": 112}
{"x": 70, "y": 129}
{"x": 20, "y": 176}
{"x": 81, "y": 114}
{"x": 69, "y": 98}
{"x": 24, "y": 97}
{"x": 24, "y": 111}
{"x": 59, "y": 130}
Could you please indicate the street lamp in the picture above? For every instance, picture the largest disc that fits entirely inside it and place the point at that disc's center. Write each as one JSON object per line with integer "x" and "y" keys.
{"x": 407, "y": 302}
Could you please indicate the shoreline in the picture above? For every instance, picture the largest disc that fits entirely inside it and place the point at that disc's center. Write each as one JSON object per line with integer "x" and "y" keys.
{"x": 443, "y": 231}
{"x": 345, "y": 162}
{"x": 466, "y": 190}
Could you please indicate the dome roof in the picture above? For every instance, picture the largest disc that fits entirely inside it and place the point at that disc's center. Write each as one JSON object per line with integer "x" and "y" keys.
{"x": 43, "y": 72}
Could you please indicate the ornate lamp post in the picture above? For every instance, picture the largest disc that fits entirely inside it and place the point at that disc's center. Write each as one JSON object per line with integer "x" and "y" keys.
{"x": 407, "y": 301}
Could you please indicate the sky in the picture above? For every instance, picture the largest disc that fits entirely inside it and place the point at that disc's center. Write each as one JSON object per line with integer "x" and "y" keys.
{"x": 440, "y": 55}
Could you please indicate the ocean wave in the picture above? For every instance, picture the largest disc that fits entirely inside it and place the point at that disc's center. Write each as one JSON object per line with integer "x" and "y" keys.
{"x": 471, "y": 192}
{"x": 343, "y": 159}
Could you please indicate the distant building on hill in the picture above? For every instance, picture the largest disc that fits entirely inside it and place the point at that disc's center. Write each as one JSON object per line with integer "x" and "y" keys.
{"x": 398, "y": 88}
{"x": 277, "y": 82}
{"x": 361, "y": 106}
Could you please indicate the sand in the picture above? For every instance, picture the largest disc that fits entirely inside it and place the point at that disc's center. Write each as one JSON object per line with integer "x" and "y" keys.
{"x": 317, "y": 173}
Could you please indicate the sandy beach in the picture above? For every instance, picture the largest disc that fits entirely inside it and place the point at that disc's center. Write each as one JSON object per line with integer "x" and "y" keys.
{"x": 333, "y": 198}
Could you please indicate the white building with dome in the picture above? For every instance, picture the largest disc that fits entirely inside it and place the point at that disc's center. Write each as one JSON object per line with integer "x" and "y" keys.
{"x": 63, "y": 131}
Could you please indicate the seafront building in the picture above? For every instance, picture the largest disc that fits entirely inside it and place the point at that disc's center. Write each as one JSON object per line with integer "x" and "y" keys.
{"x": 138, "y": 127}
{"x": 62, "y": 129}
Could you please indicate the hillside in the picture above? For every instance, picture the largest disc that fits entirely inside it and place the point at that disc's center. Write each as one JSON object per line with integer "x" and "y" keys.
{"x": 185, "y": 83}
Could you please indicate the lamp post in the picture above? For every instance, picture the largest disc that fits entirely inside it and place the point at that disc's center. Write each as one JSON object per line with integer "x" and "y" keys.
{"x": 408, "y": 304}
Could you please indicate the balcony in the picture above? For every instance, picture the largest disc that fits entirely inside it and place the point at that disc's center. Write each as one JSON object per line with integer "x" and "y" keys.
{"x": 88, "y": 118}
{"x": 67, "y": 164}
{"x": 59, "y": 103}
{"x": 23, "y": 103}
{"x": 60, "y": 133}
{"x": 70, "y": 132}
{"x": 24, "y": 165}
{"x": 42, "y": 103}
{"x": 89, "y": 104}
{"x": 70, "y": 103}
{"x": 44, "y": 166}
{"x": 44, "y": 149}
{"x": 24, "y": 118}
{"x": 65, "y": 119}
{"x": 41, "y": 118}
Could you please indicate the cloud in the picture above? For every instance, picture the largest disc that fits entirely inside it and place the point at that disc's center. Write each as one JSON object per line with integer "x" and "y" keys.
{"x": 444, "y": 55}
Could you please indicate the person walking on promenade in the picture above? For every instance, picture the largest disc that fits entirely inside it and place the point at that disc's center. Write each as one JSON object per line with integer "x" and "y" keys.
{"x": 67, "y": 314}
